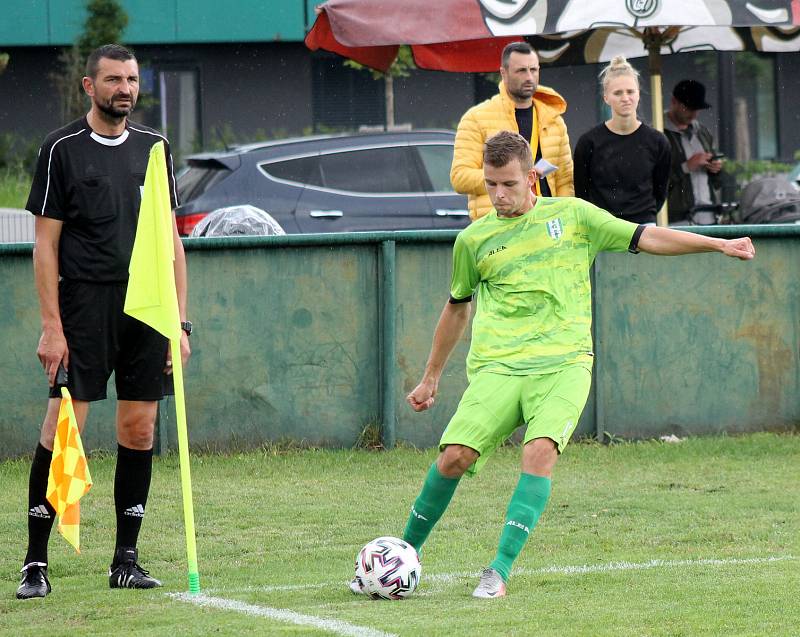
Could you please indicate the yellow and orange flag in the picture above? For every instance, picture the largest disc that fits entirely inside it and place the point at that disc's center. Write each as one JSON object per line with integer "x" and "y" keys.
{"x": 69, "y": 478}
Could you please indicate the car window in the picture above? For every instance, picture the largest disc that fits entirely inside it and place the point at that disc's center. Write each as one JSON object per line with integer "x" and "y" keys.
{"x": 303, "y": 170}
{"x": 195, "y": 180}
{"x": 371, "y": 170}
{"x": 437, "y": 161}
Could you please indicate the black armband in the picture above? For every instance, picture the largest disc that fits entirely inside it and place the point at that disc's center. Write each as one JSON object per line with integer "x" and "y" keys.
{"x": 633, "y": 248}
{"x": 456, "y": 301}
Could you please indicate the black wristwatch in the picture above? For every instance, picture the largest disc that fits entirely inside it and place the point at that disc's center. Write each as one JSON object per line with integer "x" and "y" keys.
{"x": 186, "y": 326}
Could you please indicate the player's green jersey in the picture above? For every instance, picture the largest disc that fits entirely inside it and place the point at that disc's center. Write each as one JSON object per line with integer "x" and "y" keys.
{"x": 531, "y": 276}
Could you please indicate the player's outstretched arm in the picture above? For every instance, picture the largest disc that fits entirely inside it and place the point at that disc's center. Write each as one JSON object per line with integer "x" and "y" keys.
{"x": 668, "y": 242}
{"x": 451, "y": 326}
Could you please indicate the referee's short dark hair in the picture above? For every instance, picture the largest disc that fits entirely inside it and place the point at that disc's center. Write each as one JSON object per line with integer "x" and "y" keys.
{"x": 515, "y": 47}
{"x": 110, "y": 51}
{"x": 503, "y": 147}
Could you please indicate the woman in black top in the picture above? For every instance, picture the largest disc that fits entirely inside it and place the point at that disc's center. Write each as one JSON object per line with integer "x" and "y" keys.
{"x": 622, "y": 165}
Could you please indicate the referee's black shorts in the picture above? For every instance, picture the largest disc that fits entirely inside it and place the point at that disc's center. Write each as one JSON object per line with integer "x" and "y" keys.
{"x": 101, "y": 338}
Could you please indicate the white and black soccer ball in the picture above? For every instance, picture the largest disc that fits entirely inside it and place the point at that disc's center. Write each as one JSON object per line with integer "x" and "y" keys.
{"x": 388, "y": 568}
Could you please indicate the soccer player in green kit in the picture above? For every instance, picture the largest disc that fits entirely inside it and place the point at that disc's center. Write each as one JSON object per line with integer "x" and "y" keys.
{"x": 530, "y": 359}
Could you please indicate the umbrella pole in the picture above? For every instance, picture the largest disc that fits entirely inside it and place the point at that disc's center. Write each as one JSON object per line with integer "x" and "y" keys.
{"x": 654, "y": 56}
{"x": 662, "y": 218}
{"x": 655, "y": 92}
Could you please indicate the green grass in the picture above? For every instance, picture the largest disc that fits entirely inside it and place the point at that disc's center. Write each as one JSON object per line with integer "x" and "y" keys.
{"x": 296, "y": 519}
{"x": 14, "y": 188}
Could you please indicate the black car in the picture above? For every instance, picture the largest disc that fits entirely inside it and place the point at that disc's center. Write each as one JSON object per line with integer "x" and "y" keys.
{"x": 337, "y": 183}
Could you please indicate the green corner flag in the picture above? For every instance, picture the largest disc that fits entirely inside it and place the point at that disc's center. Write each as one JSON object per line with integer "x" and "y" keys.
{"x": 153, "y": 299}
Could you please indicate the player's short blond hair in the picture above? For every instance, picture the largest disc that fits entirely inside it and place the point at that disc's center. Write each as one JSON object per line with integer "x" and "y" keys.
{"x": 505, "y": 146}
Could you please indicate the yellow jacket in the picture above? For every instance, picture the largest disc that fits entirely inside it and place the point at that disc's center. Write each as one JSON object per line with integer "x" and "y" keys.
{"x": 497, "y": 114}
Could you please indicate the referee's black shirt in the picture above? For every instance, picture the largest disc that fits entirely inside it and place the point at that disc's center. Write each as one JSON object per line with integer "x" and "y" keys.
{"x": 93, "y": 184}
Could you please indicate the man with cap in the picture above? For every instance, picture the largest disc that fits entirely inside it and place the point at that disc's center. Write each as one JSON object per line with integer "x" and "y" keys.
{"x": 695, "y": 172}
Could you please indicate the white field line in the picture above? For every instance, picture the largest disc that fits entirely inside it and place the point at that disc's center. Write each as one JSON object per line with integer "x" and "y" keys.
{"x": 447, "y": 578}
{"x": 278, "y": 614}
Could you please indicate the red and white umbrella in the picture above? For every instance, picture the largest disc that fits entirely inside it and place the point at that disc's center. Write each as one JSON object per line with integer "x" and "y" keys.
{"x": 468, "y": 35}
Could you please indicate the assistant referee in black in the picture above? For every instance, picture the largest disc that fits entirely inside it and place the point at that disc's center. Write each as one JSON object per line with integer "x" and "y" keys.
{"x": 86, "y": 194}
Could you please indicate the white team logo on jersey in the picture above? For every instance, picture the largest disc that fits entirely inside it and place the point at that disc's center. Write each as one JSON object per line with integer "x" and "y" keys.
{"x": 555, "y": 229}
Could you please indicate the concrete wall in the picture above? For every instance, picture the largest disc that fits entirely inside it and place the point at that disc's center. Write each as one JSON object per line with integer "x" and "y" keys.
{"x": 700, "y": 344}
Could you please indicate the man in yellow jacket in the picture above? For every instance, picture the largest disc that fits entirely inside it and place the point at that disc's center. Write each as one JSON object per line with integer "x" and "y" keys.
{"x": 521, "y": 106}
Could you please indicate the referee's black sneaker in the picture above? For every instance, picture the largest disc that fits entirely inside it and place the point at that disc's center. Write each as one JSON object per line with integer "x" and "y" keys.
{"x": 125, "y": 572}
{"x": 34, "y": 581}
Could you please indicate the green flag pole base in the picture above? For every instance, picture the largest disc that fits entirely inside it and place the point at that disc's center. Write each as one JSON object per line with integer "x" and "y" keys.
{"x": 194, "y": 583}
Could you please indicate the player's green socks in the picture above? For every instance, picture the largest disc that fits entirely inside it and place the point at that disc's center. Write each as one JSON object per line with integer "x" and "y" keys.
{"x": 428, "y": 508}
{"x": 527, "y": 503}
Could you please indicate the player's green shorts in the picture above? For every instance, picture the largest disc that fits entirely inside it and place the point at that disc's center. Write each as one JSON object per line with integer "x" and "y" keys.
{"x": 494, "y": 405}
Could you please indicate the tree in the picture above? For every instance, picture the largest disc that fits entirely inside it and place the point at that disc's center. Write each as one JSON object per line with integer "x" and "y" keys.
{"x": 3, "y": 62}
{"x": 401, "y": 67}
{"x": 105, "y": 23}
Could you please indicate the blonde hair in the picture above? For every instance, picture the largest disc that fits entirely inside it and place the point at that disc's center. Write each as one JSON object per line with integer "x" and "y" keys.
{"x": 618, "y": 67}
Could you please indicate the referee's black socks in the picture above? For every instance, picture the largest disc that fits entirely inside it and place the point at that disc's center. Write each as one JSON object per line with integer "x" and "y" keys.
{"x": 131, "y": 486}
{"x": 41, "y": 514}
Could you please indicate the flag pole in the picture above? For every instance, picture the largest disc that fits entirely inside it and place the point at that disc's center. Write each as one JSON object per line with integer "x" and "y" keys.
{"x": 151, "y": 298}
{"x": 186, "y": 477}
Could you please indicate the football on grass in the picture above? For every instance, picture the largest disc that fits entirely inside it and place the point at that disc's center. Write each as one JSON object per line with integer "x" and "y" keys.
{"x": 388, "y": 568}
